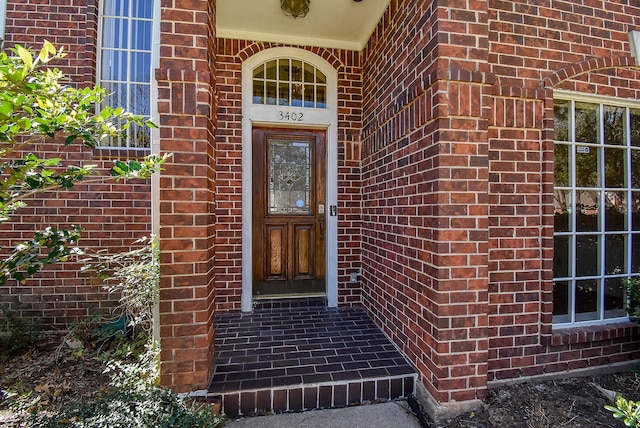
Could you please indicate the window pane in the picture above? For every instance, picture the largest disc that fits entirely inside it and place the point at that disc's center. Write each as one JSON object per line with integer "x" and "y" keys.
{"x": 635, "y": 211}
{"x": 296, "y": 94}
{"x": 258, "y": 92}
{"x": 309, "y": 73}
{"x": 140, "y": 67}
{"x": 634, "y": 121}
{"x": 296, "y": 70}
{"x": 283, "y": 94}
{"x": 283, "y": 70}
{"x": 117, "y": 94}
{"x": 561, "y": 119}
{"x": 562, "y": 210}
{"x": 587, "y": 211}
{"x": 309, "y": 96}
{"x": 614, "y": 132}
{"x": 587, "y": 255}
{"x": 141, "y": 35}
{"x": 320, "y": 77}
{"x": 614, "y": 298}
{"x": 561, "y": 165}
{"x": 635, "y": 169}
{"x": 587, "y": 166}
{"x": 271, "y": 92}
{"x": 321, "y": 96}
{"x": 140, "y": 99}
{"x": 587, "y": 293}
{"x": 561, "y": 302}
{"x": 615, "y": 215}
{"x": 586, "y": 123}
{"x": 258, "y": 73}
{"x": 117, "y": 7}
{"x": 114, "y": 65}
{"x": 271, "y": 70}
{"x": 635, "y": 253}
{"x": 614, "y": 254}
{"x": 143, "y": 9}
{"x": 139, "y": 136}
{"x": 562, "y": 256}
{"x": 115, "y": 33}
{"x": 614, "y": 167}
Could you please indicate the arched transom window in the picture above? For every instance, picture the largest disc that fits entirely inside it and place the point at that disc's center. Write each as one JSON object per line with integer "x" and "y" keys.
{"x": 289, "y": 82}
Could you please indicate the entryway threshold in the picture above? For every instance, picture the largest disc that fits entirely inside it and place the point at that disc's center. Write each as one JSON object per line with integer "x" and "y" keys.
{"x": 292, "y": 358}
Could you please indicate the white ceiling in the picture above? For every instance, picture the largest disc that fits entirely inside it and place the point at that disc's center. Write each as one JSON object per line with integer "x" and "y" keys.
{"x": 343, "y": 24}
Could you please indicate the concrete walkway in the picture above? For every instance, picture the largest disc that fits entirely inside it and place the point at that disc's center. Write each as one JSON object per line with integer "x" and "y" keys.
{"x": 391, "y": 414}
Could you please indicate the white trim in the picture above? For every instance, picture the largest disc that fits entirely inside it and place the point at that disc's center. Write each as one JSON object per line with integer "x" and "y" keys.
{"x": 228, "y": 33}
{"x": 634, "y": 39}
{"x": 598, "y": 99}
{"x": 155, "y": 145}
{"x": 327, "y": 119}
{"x": 3, "y": 20}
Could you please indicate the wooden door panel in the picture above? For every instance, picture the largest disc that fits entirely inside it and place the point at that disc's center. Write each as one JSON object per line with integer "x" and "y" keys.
{"x": 304, "y": 263}
{"x": 275, "y": 247}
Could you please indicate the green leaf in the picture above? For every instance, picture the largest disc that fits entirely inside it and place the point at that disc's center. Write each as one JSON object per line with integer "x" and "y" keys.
{"x": 25, "y": 56}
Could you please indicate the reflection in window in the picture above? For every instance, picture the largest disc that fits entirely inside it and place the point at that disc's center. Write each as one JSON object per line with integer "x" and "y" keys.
{"x": 125, "y": 62}
{"x": 289, "y": 82}
{"x": 596, "y": 209}
{"x": 289, "y": 177}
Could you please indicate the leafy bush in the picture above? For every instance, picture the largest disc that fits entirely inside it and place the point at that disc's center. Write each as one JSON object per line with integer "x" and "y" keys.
{"x": 124, "y": 408}
{"x": 626, "y": 411}
{"x": 632, "y": 288}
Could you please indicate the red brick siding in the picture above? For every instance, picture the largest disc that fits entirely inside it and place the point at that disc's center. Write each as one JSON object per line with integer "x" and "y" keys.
{"x": 231, "y": 54}
{"x": 425, "y": 209}
{"x": 187, "y": 192}
{"x": 574, "y": 45}
{"x": 113, "y": 214}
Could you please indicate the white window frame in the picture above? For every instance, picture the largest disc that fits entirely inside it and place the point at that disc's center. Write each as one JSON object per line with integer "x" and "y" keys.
{"x": 154, "y": 63}
{"x": 602, "y": 101}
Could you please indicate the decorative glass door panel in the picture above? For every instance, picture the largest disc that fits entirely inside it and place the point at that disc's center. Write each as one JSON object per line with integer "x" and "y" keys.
{"x": 289, "y": 177}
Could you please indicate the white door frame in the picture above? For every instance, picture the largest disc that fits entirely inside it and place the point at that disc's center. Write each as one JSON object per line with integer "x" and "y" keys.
{"x": 276, "y": 116}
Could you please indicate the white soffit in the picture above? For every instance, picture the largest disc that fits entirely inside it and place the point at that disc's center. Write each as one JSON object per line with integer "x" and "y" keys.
{"x": 341, "y": 24}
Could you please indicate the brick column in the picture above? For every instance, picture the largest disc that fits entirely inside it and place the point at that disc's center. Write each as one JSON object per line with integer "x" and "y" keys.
{"x": 187, "y": 192}
{"x": 456, "y": 327}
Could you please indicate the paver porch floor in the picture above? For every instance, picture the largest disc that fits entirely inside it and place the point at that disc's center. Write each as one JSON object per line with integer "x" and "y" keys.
{"x": 299, "y": 355}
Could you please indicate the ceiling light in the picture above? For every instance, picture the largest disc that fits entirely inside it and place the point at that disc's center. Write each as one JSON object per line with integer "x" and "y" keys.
{"x": 295, "y": 8}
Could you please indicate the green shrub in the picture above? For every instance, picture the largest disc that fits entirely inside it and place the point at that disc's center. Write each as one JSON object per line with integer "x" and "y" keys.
{"x": 632, "y": 288}
{"x": 125, "y": 408}
{"x": 626, "y": 411}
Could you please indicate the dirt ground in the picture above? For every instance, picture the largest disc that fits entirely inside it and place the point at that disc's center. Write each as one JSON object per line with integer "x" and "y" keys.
{"x": 50, "y": 375}
{"x": 570, "y": 402}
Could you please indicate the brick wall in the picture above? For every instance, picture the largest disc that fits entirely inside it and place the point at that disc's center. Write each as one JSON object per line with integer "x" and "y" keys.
{"x": 186, "y": 104}
{"x": 112, "y": 214}
{"x": 575, "y": 45}
{"x": 231, "y": 54}
{"x": 424, "y": 174}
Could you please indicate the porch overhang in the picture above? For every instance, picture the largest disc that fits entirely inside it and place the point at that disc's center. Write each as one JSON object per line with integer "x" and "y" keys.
{"x": 340, "y": 24}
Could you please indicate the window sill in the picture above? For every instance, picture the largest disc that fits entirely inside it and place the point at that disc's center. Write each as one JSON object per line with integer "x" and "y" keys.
{"x": 594, "y": 333}
{"x": 120, "y": 153}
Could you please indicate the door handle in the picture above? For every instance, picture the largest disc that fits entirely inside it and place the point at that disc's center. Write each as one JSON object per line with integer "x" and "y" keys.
{"x": 321, "y": 221}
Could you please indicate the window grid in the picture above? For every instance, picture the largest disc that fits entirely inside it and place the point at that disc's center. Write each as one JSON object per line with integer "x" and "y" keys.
{"x": 577, "y": 278}
{"x": 289, "y": 82}
{"x": 125, "y": 64}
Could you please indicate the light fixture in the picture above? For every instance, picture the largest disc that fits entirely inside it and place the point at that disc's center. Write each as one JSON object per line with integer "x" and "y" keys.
{"x": 634, "y": 38}
{"x": 295, "y": 8}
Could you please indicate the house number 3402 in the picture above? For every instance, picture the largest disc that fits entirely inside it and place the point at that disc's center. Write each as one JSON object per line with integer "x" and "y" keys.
{"x": 290, "y": 116}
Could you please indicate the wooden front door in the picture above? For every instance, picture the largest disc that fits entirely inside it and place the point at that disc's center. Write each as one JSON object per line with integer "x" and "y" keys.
{"x": 289, "y": 212}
